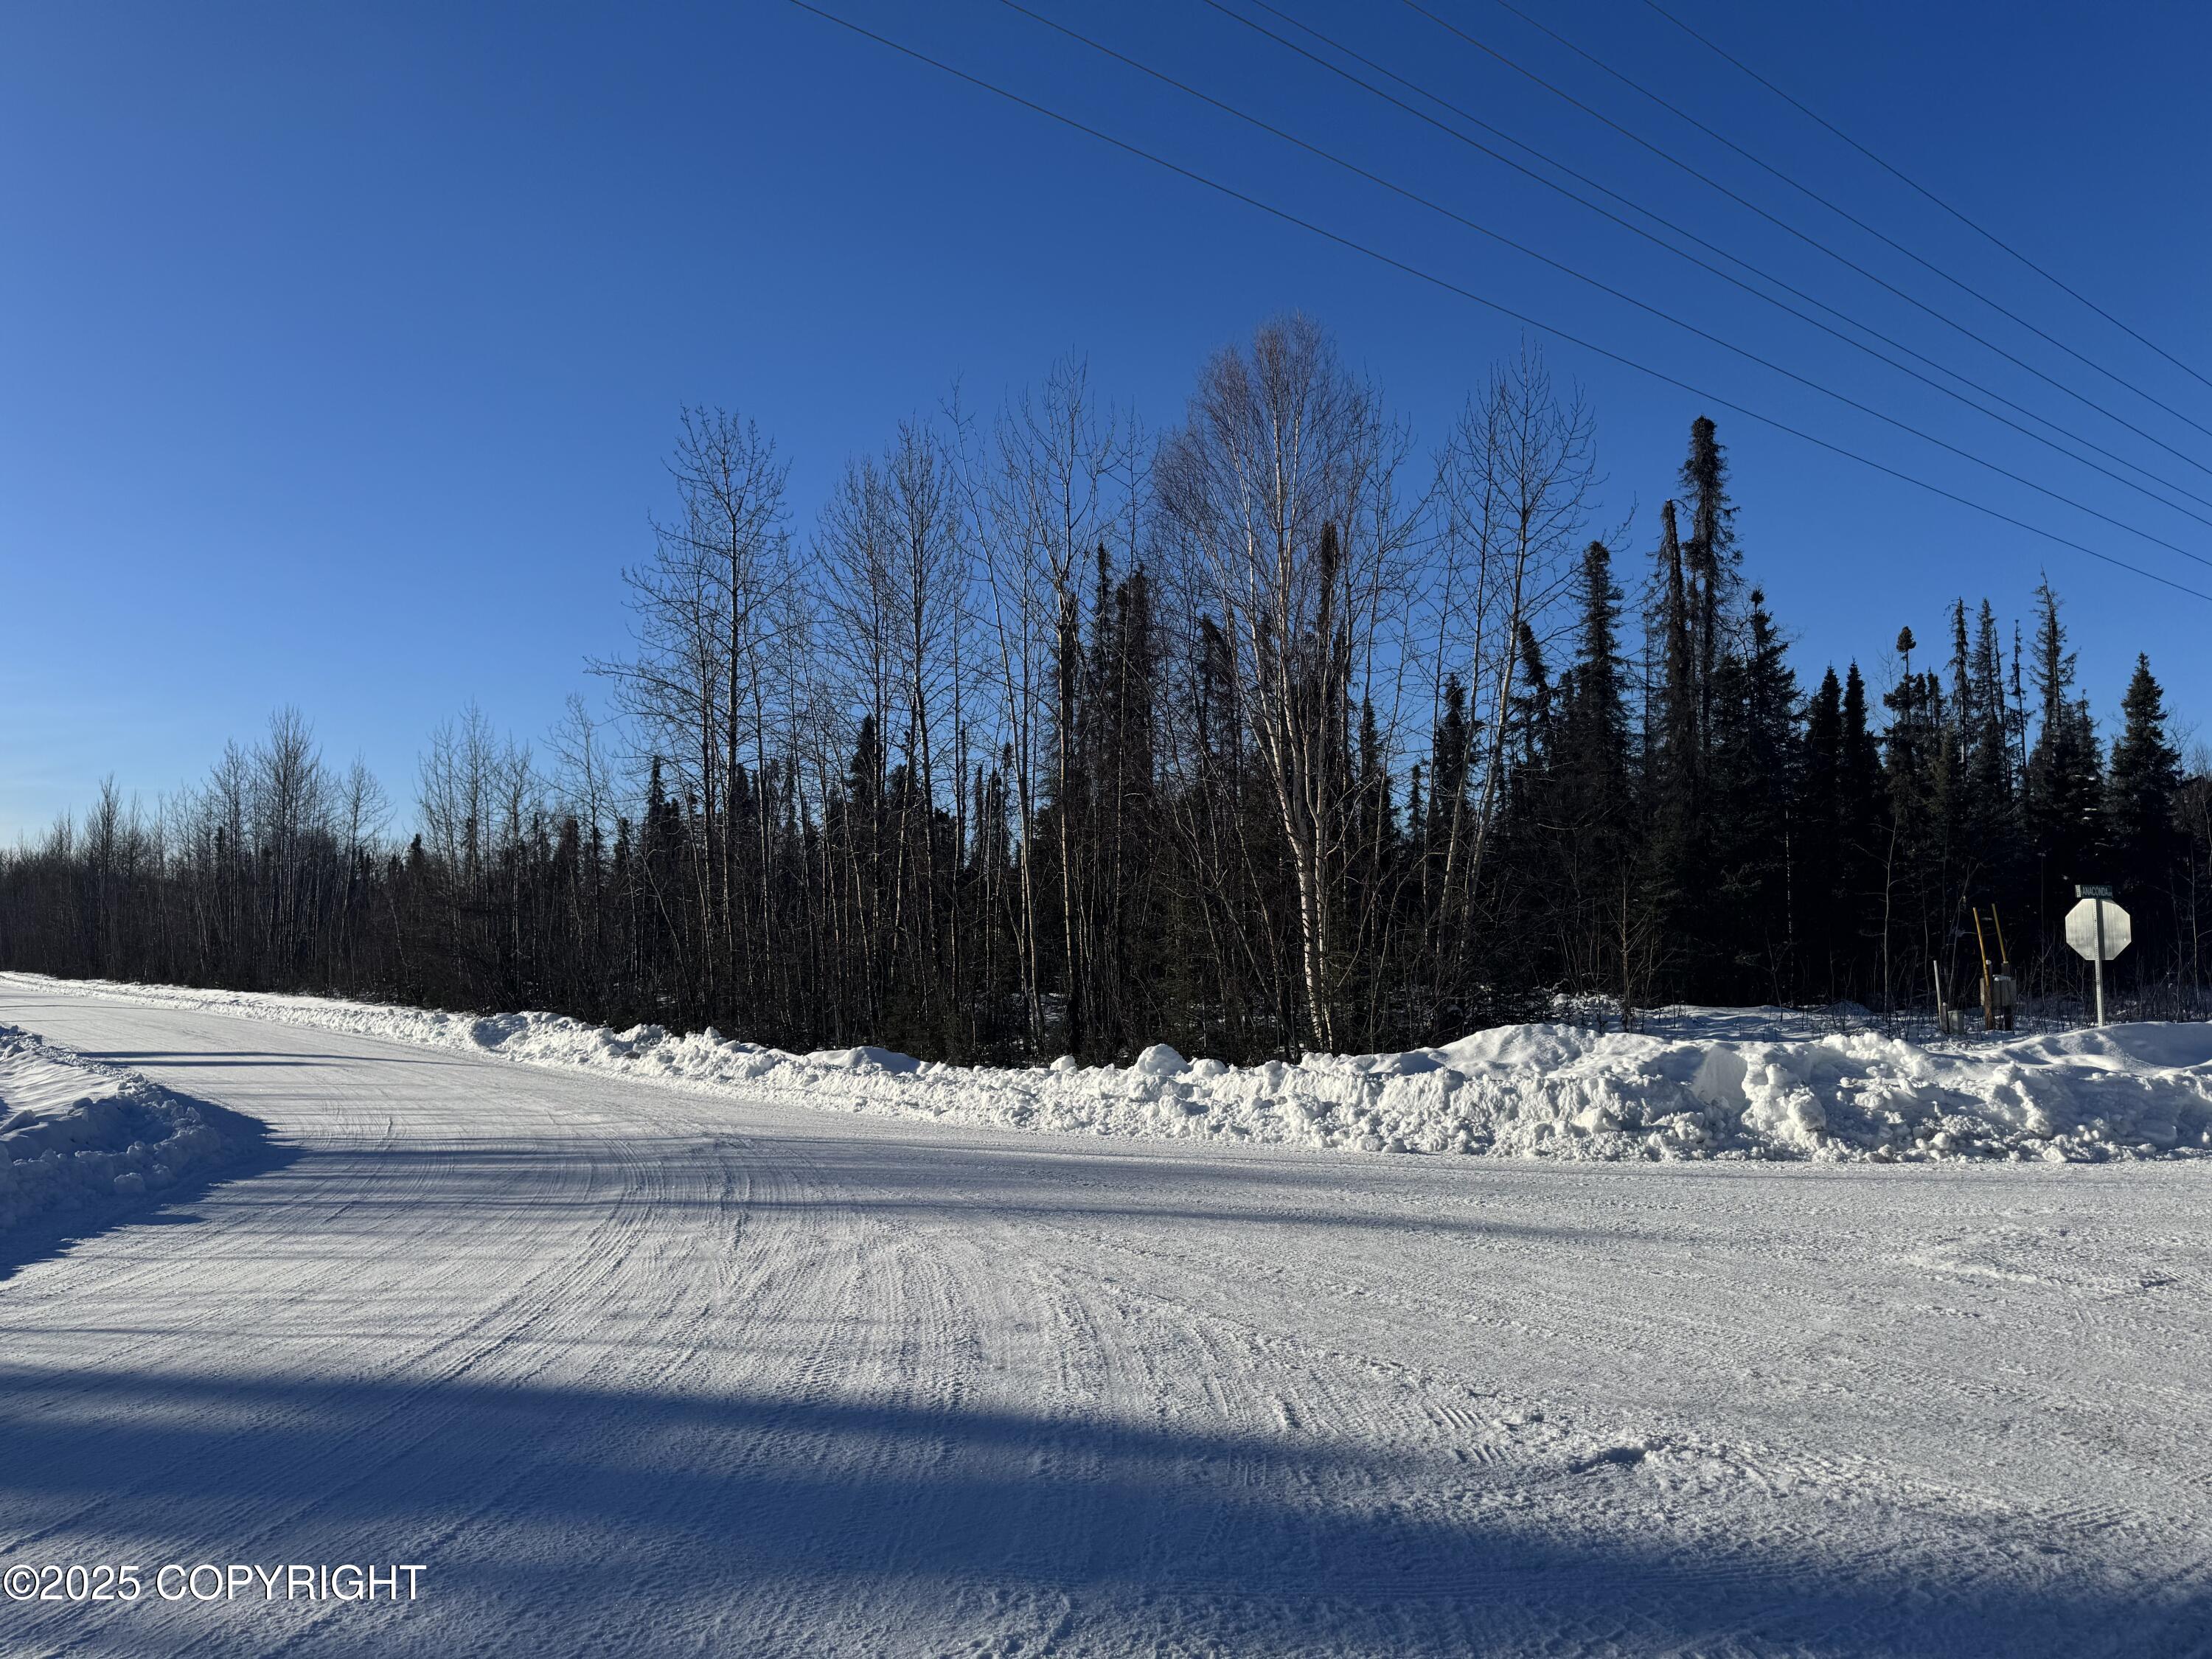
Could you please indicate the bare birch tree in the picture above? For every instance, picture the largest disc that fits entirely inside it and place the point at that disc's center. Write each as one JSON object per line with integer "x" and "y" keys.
{"x": 1514, "y": 483}
{"x": 1279, "y": 488}
{"x": 1049, "y": 500}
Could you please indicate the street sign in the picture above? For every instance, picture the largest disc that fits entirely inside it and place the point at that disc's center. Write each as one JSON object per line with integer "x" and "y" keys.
{"x": 2081, "y": 928}
{"x": 2098, "y": 929}
{"x": 2093, "y": 890}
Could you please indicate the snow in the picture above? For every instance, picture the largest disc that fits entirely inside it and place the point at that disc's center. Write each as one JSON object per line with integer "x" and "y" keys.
{"x": 633, "y": 1369}
{"x": 43, "y": 1088}
{"x": 1701, "y": 1083}
{"x": 79, "y": 1136}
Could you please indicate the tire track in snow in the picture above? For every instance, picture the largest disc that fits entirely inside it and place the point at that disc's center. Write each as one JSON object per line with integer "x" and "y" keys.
{"x": 809, "y": 1386}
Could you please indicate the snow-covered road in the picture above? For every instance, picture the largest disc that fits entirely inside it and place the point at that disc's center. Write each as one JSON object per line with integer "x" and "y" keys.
{"x": 634, "y": 1371}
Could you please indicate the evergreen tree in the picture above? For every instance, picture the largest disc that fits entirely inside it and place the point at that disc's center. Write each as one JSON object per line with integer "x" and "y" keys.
{"x": 2064, "y": 808}
{"x": 1992, "y": 809}
{"x": 1530, "y": 725}
{"x": 2142, "y": 789}
{"x": 1753, "y": 901}
{"x": 1915, "y": 876}
{"x": 1673, "y": 764}
{"x": 1864, "y": 815}
{"x": 1602, "y": 901}
{"x": 1712, "y": 561}
{"x": 1592, "y": 761}
{"x": 1820, "y": 823}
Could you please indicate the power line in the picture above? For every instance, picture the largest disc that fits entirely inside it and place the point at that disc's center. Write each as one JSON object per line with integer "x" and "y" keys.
{"x": 1450, "y": 287}
{"x": 1702, "y": 264}
{"x": 1914, "y": 184}
{"x": 1814, "y": 242}
{"x": 1808, "y": 191}
{"x": 1606, "y": 288}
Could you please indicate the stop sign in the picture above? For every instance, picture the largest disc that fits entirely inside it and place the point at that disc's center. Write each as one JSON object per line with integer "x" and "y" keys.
{"x": 2081, "y": 928}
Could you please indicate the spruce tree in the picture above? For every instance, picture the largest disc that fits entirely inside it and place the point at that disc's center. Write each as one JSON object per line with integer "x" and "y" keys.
{"x": 1992, "y": 814}
{"x": 1530, "y": 733}
{"x": 1594, "y": 869}
{"x": 1915, "y": 925}
{"x": 1819, "y": 827}
{"x": 1752, "y": 919}
{"x": 1593, "y": 752}
{"x": 2063, "y": 810}
{"x": 1862, "y": 832}
{"x": 1711, "y": 559}
{"x": 2141, "y": 791}
{"x": 1673, "y": 764}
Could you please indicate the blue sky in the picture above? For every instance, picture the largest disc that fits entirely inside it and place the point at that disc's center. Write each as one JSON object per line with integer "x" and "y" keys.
{"x": 342, "y": 345}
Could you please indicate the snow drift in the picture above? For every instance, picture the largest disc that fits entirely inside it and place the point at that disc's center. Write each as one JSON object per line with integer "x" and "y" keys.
{"x": 1703, "y": 1085}
{"x": 76, "y": 1135}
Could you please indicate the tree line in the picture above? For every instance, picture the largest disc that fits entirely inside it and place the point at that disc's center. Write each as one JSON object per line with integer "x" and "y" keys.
{"x": 1264, "y": 732}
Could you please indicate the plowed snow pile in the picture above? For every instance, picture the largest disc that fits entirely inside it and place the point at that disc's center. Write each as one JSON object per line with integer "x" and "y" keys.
{"x": 1707, "y": 1087}
{"x": 77, "y": 1135}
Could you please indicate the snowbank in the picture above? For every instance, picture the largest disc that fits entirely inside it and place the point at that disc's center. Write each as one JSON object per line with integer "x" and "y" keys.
{"x": 1683, "y": 1091}
{"x": 79, "y": 1136}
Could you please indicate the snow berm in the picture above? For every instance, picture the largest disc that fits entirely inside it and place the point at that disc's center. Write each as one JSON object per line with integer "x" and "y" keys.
{"x": 1702, "y": 1084}
{"x": 80, "y": 1135}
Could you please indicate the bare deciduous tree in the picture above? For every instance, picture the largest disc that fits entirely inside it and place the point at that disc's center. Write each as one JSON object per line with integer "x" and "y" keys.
{"x": 1279, "y": 488}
